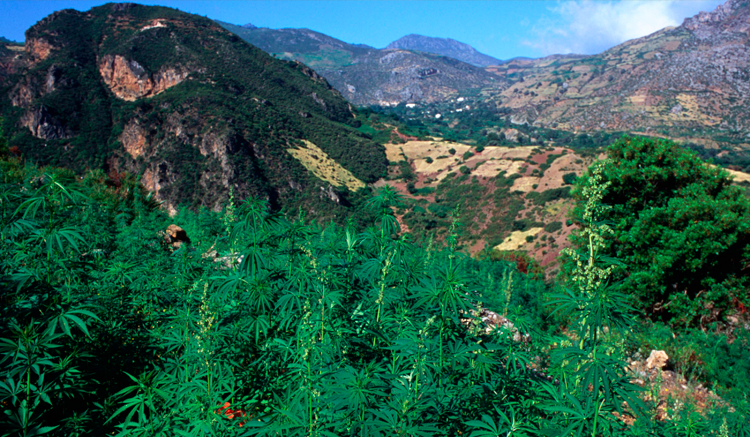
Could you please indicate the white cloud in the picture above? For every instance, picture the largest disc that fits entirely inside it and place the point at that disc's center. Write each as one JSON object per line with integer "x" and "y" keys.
{"x": 589, "y": 27}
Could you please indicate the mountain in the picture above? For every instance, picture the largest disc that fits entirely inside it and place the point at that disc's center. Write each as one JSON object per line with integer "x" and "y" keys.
{"x": 188, "y": 106}
{"x": 368, "y": 76}
{"x": 445, "y": 47}
{"x": 690, "y": 81}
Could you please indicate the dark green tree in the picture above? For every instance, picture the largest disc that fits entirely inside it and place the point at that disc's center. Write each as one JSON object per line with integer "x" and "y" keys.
{"x": 679, "y": 225}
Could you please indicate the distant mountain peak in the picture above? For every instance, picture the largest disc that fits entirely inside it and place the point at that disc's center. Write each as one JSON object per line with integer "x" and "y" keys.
{"x": 249, "y": 26}
{"x": 445, "y": 47}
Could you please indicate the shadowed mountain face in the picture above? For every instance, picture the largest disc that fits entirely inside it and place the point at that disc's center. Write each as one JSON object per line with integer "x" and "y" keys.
{"x": 689, "y": 81}
{"x": 184, "y": 103}
{"x": 368, "y": 76}
{"x": 445, "y": 47}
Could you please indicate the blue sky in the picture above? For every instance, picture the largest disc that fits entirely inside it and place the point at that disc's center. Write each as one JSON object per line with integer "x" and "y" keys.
{"x": 503, "y": 29}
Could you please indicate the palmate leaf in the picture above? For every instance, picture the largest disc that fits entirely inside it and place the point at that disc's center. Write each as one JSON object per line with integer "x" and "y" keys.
{"x": 506, "y": 426}
{"x": 59, "y": 239}
{"x": 31, "y": 206}
{"x": 19, "y": 227}
{"x": 66, "y": 318}
{"x": 24, "y": 276}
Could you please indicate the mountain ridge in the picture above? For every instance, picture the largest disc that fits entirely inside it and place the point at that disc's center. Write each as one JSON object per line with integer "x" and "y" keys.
{"x": 688, "y": 81}
{"x": 369, "y": 76}
{"x": 445, "y": 47}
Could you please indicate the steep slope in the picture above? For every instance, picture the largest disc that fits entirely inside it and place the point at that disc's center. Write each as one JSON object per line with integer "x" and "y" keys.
{"x": 368, "y": 76}
{"x": 445, "y": 47}
{"x": 188, "y": 105}
{"x": 689, "y": 81}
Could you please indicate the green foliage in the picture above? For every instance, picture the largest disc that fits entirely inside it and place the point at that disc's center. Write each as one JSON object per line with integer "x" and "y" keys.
{"x": 592, "y": 368}
{"x": 290, "y": 326}
{"x": 680, "y": 227}
{"x": 569, "y": 178}
{"x": 552, "y": 227}
{"x": 548, "y": 195}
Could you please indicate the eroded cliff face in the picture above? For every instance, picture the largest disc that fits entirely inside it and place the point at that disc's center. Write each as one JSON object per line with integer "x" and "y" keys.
{"x": 133, "y": 138}
{"x": 129, "y": 81}
{"x": 38, "y": 49}
{"x": 25, "y": 91}
{"x": 145, "y": 142}
{"x": 43, "y": 125}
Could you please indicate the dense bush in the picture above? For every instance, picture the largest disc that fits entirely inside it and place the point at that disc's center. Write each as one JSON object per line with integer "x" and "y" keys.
{"x": 553, "y": 227}
{"x": 679, "y": 226}
{"x": 569, "y": 178}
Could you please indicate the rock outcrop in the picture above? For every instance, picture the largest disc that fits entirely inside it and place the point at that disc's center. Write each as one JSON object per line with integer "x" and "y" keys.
{"x": 133, "y": 139}
{"x": 129, "y": 81}
{"x": 175, "y": 236}
{"x": 43, "y": 125}
{"x": 38, "y": 49}
{"x": 90, "y": 88}
{"x": 657, "y": 360}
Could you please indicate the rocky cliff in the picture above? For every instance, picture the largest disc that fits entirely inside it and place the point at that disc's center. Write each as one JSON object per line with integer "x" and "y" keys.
{"x": 182, "y": 102}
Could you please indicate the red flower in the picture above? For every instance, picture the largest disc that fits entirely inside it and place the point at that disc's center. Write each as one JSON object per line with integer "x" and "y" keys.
{"x": 230, "y": 413}
{"x": 226, "y": 406}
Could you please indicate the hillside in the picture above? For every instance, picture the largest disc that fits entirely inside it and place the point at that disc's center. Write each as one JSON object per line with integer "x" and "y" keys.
{"x": 368, "y": 76}
{"x": 686, "y": 82}
{"x": 444, "y": 47}
{"x": 186, "y": 104}
{"x": 510, "y": 199}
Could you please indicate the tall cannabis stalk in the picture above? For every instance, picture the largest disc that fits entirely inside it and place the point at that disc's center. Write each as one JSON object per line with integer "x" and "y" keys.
{"x": 587, "y": 276}
{"x": 590, "y": 370}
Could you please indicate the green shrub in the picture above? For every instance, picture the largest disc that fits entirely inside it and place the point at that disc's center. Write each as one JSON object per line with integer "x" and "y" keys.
{"x": 680, "y": 227}
{"x": 569, "y": 178}
{"x": 553, "y": 227}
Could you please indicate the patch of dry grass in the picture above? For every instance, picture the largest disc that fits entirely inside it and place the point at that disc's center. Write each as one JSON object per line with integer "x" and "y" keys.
{"x": 315, "y": 160}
